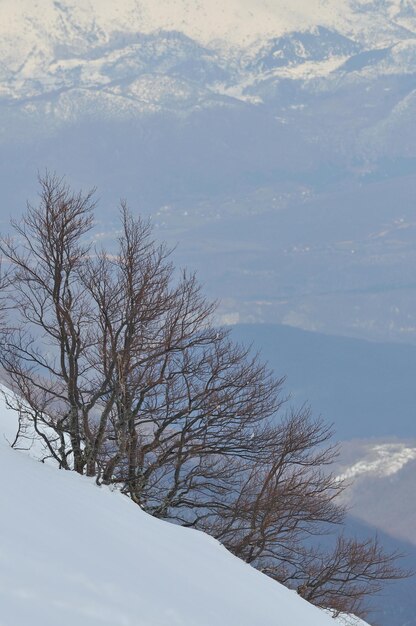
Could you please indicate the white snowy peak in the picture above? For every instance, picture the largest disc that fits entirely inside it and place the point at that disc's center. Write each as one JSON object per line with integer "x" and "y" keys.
{"x": 33, "y": 29}
{"x": 380, "y": 460}
{"x": 140, "y": 56}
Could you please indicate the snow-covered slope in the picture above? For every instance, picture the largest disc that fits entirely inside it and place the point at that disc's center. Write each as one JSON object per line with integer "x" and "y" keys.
{"x": 73, "y": 553}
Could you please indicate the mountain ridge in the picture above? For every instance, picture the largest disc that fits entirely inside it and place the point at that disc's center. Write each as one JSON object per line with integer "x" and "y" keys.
{"x": 238, "y": 22}
{"x": 60, "y": 59}
{"x": 313, "y": 115}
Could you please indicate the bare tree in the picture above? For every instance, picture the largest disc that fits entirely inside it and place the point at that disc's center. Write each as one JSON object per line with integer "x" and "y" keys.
{"x": 284, "y": 497}
{"x": 343, "y": 578}
{"x": 42, "y": 350}
{"x": 115, "y": 364}
{"x": 114, "y": 358}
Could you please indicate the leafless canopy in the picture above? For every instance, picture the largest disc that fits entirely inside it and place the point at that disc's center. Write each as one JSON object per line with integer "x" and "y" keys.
{"x": 115, "y": 364}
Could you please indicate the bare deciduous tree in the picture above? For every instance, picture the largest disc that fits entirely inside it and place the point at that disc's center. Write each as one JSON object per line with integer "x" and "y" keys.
{"x": 343, "y": 578}
{"x": 115, "y": 363}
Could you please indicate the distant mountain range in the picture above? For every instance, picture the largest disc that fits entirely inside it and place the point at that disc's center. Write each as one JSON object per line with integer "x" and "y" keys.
{"x": 281, "y": 131}
{"x": 67, "y": 61}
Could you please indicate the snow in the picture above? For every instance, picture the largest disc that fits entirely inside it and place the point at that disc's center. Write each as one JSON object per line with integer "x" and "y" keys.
{"x": 350, "y": 620}
{"x": 43, "y": 23}
{"x": 384, "y": 459}
{"x": 74, "y": 553}
{"x": 50, "y": 47}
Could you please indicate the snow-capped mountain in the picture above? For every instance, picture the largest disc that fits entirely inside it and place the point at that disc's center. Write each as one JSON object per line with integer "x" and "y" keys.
{"x": 381, "y": 475}
{"x": 66, "y": 62}
{"x": 62, "y": 59}
{"x": 202, "y": 111}
{"x": 78, "y": 24}
{"x": 381, "y": 460}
